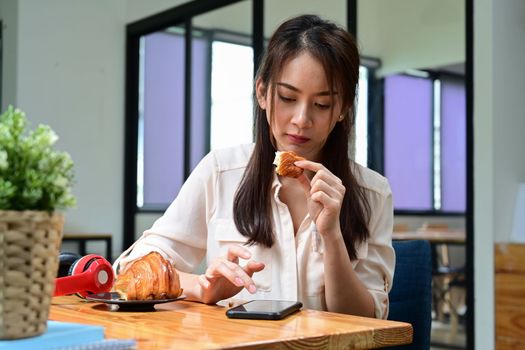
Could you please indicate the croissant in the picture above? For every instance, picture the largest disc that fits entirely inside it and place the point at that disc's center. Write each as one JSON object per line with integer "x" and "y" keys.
{"x": 148, "y": 278}
{"x": 285, "y": 164}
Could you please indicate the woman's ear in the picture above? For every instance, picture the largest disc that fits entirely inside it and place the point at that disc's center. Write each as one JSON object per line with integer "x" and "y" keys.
{"x": 260, "y": 92}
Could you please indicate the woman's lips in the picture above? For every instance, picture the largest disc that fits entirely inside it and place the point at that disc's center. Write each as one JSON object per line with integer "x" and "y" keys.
{"x": 297, "y": 139}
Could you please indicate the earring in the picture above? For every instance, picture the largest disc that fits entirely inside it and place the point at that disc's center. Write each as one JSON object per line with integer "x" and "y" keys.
{"x": 341, "y": 117}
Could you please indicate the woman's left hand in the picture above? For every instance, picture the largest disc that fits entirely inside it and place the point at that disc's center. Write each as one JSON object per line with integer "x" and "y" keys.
{"x": 325, "y": 193}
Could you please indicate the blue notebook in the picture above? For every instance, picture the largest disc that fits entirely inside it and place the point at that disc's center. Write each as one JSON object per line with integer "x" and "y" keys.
{"x": 58, "y": 335}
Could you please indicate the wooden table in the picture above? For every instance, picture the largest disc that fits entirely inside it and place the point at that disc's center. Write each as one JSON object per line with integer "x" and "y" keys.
{"x": 189, "y": 325}
{"x": 434, "y": 237}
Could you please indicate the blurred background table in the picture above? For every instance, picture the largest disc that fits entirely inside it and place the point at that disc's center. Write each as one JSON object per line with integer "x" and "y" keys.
{"x": 434, "y": 237}
{"x": 82, "y": 238}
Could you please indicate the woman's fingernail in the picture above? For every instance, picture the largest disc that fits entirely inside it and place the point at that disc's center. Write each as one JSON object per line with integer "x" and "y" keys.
{"x": 238, "y": 282}
{"x": 251, "y": 288}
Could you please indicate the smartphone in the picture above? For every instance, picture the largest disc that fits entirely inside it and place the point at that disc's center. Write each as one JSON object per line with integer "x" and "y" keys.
{"x": 264, "y": 309}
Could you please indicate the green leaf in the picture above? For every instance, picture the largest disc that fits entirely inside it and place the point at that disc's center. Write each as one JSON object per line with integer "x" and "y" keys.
{"x": 33, "y": 175}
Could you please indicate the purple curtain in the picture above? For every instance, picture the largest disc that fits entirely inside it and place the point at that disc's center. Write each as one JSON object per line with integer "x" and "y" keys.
{"x": 163, "y": 91}
{"x": 453, "y": 145}
{"x": 408, "y": 135}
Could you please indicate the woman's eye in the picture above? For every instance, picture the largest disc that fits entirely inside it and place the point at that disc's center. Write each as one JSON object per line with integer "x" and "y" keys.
{"x": 286, "y": 99}
{"x": 322, "y": 106}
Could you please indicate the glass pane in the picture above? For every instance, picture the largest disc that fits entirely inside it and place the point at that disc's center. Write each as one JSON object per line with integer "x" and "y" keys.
{"x": 408, "y": 141}
{"x": 200, "y": 91}
{"x": 453, "y": 149}
{"x": 429, "y": 36}
{"x": 161, "y": 123}
{"x": 231, "y": 94}
{"x": 361, "y": 119}
{"x": 231, "y": 114}
{"x": 161, "y": 139}
{"x": 162, "y": 146}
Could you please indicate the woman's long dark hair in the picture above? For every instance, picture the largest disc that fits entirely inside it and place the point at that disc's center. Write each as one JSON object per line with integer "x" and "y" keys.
{"x": 337, "y": 52}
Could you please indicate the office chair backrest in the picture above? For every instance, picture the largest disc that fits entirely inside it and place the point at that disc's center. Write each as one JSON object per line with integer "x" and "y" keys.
{"x": 411, "y": 294}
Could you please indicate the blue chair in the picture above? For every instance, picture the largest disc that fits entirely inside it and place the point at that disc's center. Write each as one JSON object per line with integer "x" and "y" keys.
{"x": 411, "y": 294}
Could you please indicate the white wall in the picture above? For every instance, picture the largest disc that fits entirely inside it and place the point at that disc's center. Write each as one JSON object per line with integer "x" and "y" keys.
{"x": 483, "y": 173}
{"x": 508, "y": 111}
{"x": 64, "y": 66}
{"x": 70, "y": 75}
{"x": 9, "y": 18}
{"x": 499, "y": 123}
{"x": 139, "y": 9}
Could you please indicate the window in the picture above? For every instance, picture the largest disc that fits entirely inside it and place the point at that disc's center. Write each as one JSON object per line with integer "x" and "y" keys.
{"x": 161, "y": 136}
{"x": 171, "y": 82}
{"x": 361, "y": 120}
{"x": 161, "y": 131}
{"x": 161, "y": 145}
{"x": 231, "y": 94}
{"x": 424, "y": 142}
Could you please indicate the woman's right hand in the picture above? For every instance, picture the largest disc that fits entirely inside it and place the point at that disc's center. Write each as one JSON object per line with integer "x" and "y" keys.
{"x": 225, "y": 277}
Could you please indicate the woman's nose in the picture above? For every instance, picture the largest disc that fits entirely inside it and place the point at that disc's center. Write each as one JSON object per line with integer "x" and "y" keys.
{"x": 301, "y": 116}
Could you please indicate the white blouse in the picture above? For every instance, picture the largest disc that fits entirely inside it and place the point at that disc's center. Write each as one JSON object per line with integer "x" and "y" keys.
{"x": 199, "y": 222}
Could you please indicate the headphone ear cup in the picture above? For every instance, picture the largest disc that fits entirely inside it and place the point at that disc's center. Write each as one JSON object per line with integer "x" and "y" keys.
{"x": 79, "y": 266}
{"x": 87, "y": 275}
{"x": 82, "y": 264}
{"x": 99, "y": 267}
{"x": 65, "y": 261}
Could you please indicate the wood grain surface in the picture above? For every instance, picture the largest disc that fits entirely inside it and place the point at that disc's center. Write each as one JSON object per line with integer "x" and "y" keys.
{"x": 510, "y": 296}
{"x": 503, "y": 343}
{"x": 189, "y": 325}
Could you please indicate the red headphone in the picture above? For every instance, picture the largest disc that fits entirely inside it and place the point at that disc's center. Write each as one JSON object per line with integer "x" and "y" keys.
{"x": 84, "y": 275}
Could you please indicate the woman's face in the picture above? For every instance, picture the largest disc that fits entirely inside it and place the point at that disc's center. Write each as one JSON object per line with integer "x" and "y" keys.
{"x": 303, "y": 113}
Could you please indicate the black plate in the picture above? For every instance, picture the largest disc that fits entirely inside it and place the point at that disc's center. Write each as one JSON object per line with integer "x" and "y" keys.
{"x": 113, "y": 298}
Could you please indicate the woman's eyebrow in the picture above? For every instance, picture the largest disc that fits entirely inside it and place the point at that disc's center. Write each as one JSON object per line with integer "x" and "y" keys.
{"x": 293, "y": 88}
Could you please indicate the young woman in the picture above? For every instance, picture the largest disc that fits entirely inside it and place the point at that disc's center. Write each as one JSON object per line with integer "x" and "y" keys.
{"x": 323, "y": 238}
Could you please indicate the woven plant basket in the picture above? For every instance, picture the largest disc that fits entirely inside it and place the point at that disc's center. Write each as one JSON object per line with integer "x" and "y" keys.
{"x": 29, "y": 248}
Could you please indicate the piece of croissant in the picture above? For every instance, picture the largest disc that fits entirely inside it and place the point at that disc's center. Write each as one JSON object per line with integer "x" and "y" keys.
{"x": 148, "y": 278}
{"x": 285, "y": 164}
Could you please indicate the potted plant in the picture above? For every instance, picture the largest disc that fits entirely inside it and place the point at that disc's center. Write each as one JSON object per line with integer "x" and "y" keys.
{"x": 35, "y": 181}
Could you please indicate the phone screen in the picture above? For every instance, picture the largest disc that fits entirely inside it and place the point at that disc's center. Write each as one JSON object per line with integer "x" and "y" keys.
{"x": 264, "y": 309}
